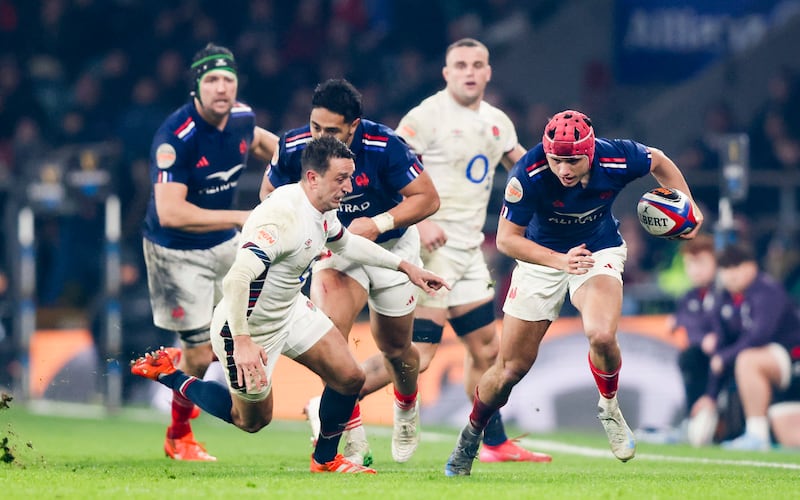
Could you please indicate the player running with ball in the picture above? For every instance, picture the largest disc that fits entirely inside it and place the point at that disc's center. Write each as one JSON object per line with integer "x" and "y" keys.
{"x": 557, "y": 223}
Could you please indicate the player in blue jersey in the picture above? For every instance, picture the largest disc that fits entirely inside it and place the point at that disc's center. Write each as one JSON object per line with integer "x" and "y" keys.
{"x": 190, "y": 230}
{"x": 391, "y": 192}
{"x": 556, "y": 221}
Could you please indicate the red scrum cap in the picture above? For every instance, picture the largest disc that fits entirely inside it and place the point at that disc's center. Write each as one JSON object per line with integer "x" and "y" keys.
{"x": 569, "y": 133}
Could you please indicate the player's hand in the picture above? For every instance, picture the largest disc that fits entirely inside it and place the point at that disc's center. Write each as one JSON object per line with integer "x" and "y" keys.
{"x": 250, "y": 359}
{"x": 431, "y": 235}
{"x": 579, "y": 260}
{"x": 364, "y": 227}
{"x": 709, "y": 343}
{"x": 699, "y": 217}
{"x": 426, "y": 280}
{"x": 716, "y": 364}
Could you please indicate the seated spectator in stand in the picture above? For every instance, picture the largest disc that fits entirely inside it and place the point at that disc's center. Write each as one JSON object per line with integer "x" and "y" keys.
{"x": 767, "y": 355}
{"x": 753, "y": 311}
{"x": 693, "y": 314}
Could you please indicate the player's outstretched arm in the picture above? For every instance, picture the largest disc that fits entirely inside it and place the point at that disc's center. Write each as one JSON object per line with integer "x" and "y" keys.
{"x": 364, "y": 251}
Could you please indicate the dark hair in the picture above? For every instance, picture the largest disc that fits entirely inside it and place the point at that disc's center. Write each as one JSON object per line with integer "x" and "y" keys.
{"x": 340, "y": 97}
{"x": 734, "y": 254}
{"x": 701, "y": 243}
{"x": 318, "y": 153}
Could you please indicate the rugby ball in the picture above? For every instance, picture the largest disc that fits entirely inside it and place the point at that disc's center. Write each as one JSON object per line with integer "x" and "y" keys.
{"x": 666, "y": 212}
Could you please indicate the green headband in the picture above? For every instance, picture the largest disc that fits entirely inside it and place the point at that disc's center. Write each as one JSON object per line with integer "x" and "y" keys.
{"x": 212, "y": 62}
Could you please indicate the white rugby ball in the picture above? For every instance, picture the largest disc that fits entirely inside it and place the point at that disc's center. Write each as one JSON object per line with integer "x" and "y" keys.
{"x": 666, "y": 212}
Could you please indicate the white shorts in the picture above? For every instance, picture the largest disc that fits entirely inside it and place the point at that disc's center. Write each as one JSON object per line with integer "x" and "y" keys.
{"x": 390, "y": 292}
{"x": 538, "y": 292}
{"x": 186, "y": 284}
{"x": 306, "y": 325}
{"x": 466, "y": 272}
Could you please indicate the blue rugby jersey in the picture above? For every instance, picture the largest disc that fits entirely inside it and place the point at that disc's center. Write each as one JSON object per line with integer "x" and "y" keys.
{"x": 188, "y": 150}
{"x": 559, "y": 217}
{"x": 384, "y": 166}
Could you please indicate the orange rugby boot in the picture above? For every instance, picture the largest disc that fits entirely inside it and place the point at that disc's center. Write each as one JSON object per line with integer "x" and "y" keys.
{"x": 340, "y": 465}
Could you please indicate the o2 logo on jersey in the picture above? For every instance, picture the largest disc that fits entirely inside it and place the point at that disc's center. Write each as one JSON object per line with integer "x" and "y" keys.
{"x": 477, "y": 169}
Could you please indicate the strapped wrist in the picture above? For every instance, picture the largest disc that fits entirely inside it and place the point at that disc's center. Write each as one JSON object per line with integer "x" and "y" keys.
{"x": 384, "y": 221}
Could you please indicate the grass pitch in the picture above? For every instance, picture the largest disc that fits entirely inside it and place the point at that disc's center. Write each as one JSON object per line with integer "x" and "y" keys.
{"x": 121, "y": 457}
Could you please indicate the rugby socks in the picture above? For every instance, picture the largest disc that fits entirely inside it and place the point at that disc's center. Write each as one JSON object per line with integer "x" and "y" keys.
{"x": 495, "y": 433}
{"x": 607, "y": 382}
{"x": 212, "y": 397}
{"x": 335, "y": 410}
{"x": 355, "y": 418}
{"x": 481, "y": 413}
{"x": 181, "y": 411}
{"x": 405, "y": 402}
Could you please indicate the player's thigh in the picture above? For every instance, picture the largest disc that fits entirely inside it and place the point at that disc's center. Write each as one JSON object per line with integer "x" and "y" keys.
{"x": 598, "y": 294}
{"x": 392, "y": 333}
{"x": 341, "y": 293}
{"x": 330, "y": 358}
{"x": 182, "y": 287}
{"x": 519, "y": 344}
{"x": 259, "y": 400}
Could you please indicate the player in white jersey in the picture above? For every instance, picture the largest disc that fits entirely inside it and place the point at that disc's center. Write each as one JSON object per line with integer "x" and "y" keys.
{"x": 263, "y": 312}
{"x": 461, "y": 139}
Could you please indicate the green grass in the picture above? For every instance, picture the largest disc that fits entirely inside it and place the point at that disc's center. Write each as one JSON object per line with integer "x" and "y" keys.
{"x": 120, "y": 457}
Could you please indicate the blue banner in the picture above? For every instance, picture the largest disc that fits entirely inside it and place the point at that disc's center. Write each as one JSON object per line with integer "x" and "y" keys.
{"x": 666, "y": 41}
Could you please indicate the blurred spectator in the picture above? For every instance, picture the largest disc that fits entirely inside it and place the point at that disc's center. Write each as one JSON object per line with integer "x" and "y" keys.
{"x": 693, "y": 316}
{"x": 753, "y": 311}
{"x": 766, "y": 354}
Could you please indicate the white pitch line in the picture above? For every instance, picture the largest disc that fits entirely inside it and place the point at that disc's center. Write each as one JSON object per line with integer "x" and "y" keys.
{"x": 594, "y": 452}
{"x": 585, "y": 451}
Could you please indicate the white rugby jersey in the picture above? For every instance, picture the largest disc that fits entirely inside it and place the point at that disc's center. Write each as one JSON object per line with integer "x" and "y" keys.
{"x": 460, "y": 149}
{"x": 282, "y": 237}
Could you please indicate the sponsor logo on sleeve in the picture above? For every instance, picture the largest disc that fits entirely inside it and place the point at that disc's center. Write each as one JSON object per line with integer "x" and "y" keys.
{"x": 267, "y": 236}
{"x": 165, "y": 156}
{"x": 513, "y": 191}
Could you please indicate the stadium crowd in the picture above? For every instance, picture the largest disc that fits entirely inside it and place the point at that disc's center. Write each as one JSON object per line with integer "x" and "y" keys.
{"x": 85, "y": 83}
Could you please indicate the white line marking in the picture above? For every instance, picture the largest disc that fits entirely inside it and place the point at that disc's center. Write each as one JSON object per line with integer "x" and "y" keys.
{"x": 545, "y": 445}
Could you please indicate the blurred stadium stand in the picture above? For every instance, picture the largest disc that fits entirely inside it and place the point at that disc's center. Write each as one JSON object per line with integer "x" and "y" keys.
{"x": 78, "y": 108}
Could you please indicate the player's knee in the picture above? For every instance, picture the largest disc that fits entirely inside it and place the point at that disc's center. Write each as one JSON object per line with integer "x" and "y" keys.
{"x": 513, "y": 371}
{"x": 254, "y": 426}
{"x": 427, "y": 331}
{"x": 350, "y": 381}
{"x": 603, "y": 340}
{"x": 483, "y": 356}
